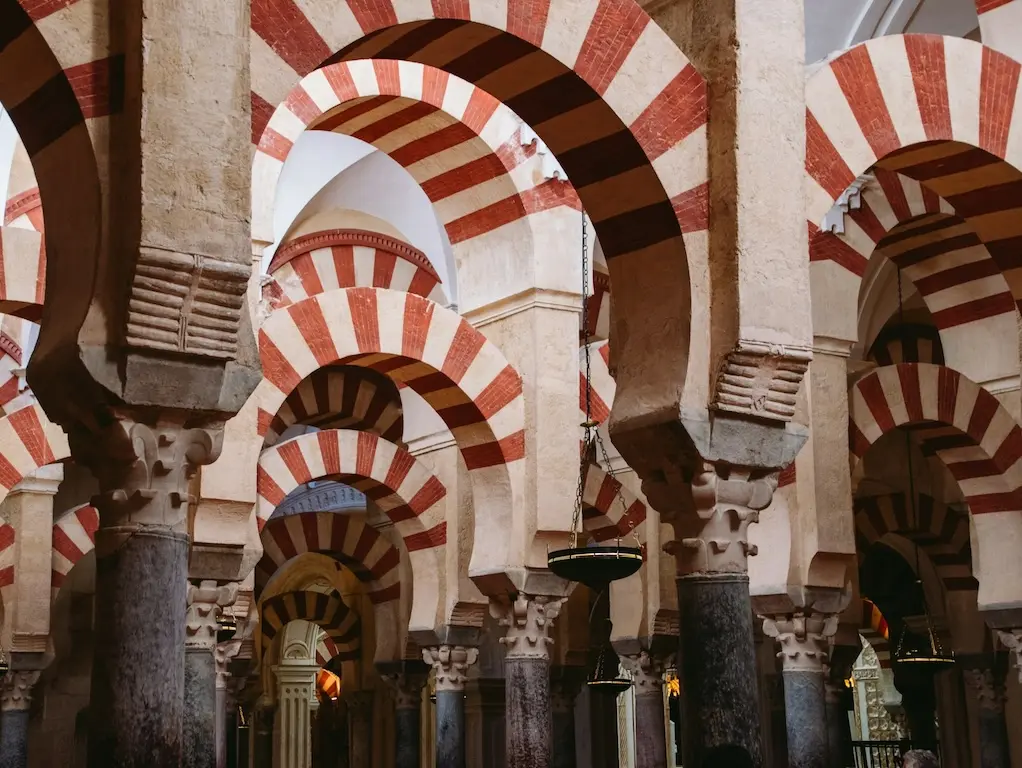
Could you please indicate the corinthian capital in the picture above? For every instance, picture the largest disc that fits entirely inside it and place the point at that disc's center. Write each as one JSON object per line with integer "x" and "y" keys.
{"x": 646, "y": 671}
{"x": 804, "y": 638}
{"x": 16, "y": 690}
{"x": 528, "y": 619}
{"x": 204, "y": 601}
{"x": 450, "y": 664}
{"x": 986, "y": 689}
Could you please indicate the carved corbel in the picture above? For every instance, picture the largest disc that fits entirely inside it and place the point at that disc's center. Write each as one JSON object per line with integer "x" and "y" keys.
{"x": 762, "y": 380}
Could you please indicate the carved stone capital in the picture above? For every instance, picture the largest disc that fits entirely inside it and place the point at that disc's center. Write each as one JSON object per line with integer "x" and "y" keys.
{"x": 713, "y": 536}
{"x": 529, "y": 620}
{"x": 985, "y": 689}
{"x": 407, "y": 687}
{"x": 450, "y": 664}
{"x": 144, "y": 469}
{"x": 646, "y": 671}
{"x": 222, "y": 655}
{"x": 803, "y": 637}
{"x": 1012, "y": 640}
{"x": 16, "y": 690}
{"x": 565, "y": 684}
{"x": 204, "y": 602}
{"x": 762, "y": 380}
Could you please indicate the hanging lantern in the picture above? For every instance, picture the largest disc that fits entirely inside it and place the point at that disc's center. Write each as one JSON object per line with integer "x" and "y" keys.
{"x": 5, "y": 667}
{"x": 596, "y": 565}
{"x": 923, "y": 651}
{"x": 606, "y": 678}
{"x": 226, "y": 626}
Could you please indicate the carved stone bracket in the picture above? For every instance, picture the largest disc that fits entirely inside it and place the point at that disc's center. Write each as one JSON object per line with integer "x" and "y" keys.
{"x": 204, "y": 601}
{"x": 450, "y": 664}
{"x": 529, "y": 620}
{"x": 762, "y": 380}
{"x": 803, "y": 637}
{"x": 713, "y": 537}
{"x": 186, "y": 303}
{"x": 646, "y": 671}
{"x": 986, "y": 689}
{"x": 222, "y": 655}
{"x": 144, "y": 469}
{"x": 1012, "y": 640}
{"x": 16, "y": 690}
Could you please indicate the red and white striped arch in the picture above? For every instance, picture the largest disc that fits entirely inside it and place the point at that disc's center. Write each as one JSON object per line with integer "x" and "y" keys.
{"x": 7, "y": 536}
{"x": 328, "y": 649}
{"x": 875, "y": 631}
{"x": 341, "y": 398}
{"x": 346, "y": 258}
{"x": 602, "y": 384}
{"x": 985, "y": 460}
{"x": 28, "y": 441}
{"x": 938, "y": 111}
{"x": 10, "y": 361}
{"x": 24, "y": 206}
{"x": 347, "y": 538}
{"x": 22, "y": 272}
{"x": 329, "y": 611}
{"x": 74, "y": 535}
{"x": 432, "y": 350}
{"x": 609, "y": 510}
{"x": 462, "y": 146}
{"x": 409, "y": 494}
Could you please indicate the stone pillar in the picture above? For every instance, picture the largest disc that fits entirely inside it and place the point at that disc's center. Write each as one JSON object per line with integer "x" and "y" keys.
{"x": 407, "y": 688}
{"x": 15, "y": 698}
{"x": 263, "y": 719}
{"x": 650, "y": 729}
{"x": 450, "y": 665}
{"x": 528, "y": 619}
{"x": 565, "y": 683}
{"x": 360, "y": 728}
{"x": 296, "y": 688}
{"x": 717, "y": 655}
{"x": 986, "y": 688}
{"x": 136, "y": 716}
{"x": 203, "y": 714}
{"x": 838, "y": 735}
{"x": 803, "y": 638}
{"x": 222, "y": 655}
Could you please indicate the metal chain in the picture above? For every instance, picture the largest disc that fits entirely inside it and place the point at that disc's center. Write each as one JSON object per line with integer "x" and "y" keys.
{"x": 908, "y": 454}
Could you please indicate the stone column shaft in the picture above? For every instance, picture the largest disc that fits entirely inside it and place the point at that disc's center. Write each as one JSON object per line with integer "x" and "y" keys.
{"x": 450, "y": 664}
{"x": 650, "y": 729}
{"x": 262, "y": 735}
{"x": 15, "y": 699}
{"x": 528, "y": 619}
{"x": 360, "y": 722}
{"x": 838, "y": 734}
{"x": 565, "y": 683}
{"x": 222, "y": 655}
{"x": 296, "y": 687}
{"x": 803, "y": 639}
{"x": 407, "y": 717}
{"x": 987, "y": 691}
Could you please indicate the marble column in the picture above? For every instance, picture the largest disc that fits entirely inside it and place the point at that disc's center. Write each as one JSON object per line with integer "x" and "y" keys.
{"x": 493, "y": 709}
{"x": 296, "y": 689}
{"x": 717, "y": 655}
{"x": 986, "y": 688}
{"x": 360, "y": 728}
{"x": 565, "y": 683}
{"x": 647, "y": 674}
{"x": 838, "y": 734}
{"x": 450, "y": 665}
{"x": 222, "y": 655}
{"x": 528, "y": 620}
{"x": 407, "y": 687}
{"x": 803, "y": 638}
{"x": 136, "y": 716}
{"x": 202, "y": 711}
{"x": 15, "y": 698}
{"x": 263, "y": 718}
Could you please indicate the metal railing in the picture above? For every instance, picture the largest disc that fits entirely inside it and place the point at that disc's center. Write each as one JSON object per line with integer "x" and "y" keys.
{"x": 880, "y": 754}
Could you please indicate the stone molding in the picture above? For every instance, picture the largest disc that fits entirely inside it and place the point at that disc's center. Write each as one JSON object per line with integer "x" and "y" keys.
{"x": 144, "y": 470}
{"x": 16, "y": 690}
{"x": 355, "y": 237}
{"x": 1012, "y": 640}
{"x": 204, "y": 600}
{"x": 762, "y": 380}
{"x": 986, "y": 690}
{"x": 450, "y": 664}
{"x": 713, "y": 537}
{"x": 804, "y": 638}
{"x": 182, "y": 302}
{"x": 529, "y": 620}
{"x": 646, "y": 671}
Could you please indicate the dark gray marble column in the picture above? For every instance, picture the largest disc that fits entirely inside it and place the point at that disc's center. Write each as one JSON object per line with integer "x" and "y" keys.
{"x": 803, "y": 639}
{"x": 262, "y": 735}
{"x": 450, "y": 664}
{"x": 528, "y": 620}
{"x": 407, "y": 686}
{"x": 647, "y": 674}
{"x": 565, "y": 683}
{"x": 493, "y": 703}
{"x": 141, "y": 581}
{"x": 360, "y": 728}
{"x": 15, "y": 699}
{"x": 986, "y": 688}
{"x": 717, "y": 665}
{"x": 838, "y": 734}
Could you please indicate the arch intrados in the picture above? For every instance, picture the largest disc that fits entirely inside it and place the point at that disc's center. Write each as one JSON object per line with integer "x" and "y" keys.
{"x": 328, "y": 611}
{"x": 609, "y": 509}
